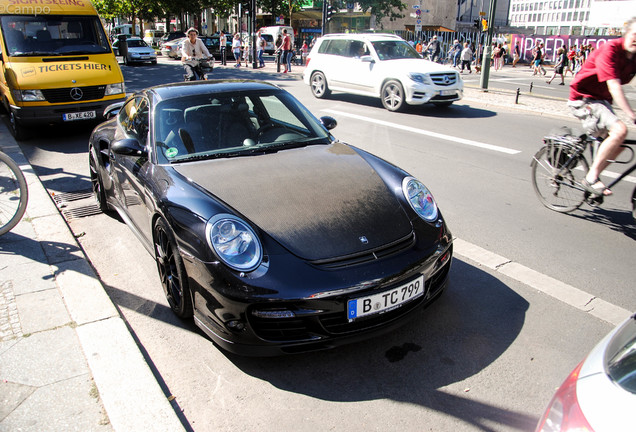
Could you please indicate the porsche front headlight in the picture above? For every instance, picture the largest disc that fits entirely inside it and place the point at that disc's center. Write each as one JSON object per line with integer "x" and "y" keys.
{"x": 420, "y": 199}
{"x": 234, "y": 242}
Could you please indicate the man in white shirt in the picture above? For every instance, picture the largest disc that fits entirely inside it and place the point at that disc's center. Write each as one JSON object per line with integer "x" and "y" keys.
{"x": 192, "y": 52}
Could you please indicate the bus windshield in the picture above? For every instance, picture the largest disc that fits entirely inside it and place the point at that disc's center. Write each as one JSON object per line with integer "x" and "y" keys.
{"x": 53, "y": 35}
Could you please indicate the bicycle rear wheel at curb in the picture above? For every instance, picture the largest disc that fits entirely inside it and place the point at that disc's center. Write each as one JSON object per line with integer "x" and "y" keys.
{"x": 558, "y": 189}
{"x": 13, "y": 194}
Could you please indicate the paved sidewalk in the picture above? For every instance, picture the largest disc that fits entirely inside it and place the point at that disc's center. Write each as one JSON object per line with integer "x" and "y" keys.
{"x": 67, "y": 360}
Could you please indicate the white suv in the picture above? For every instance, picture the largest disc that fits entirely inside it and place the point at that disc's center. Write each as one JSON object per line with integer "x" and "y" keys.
{"x": 379, "y": 65}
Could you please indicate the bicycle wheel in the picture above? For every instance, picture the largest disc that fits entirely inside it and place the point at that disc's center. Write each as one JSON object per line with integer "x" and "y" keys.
{"x": 13, "y": 194}
{"x": 558, "y": 189}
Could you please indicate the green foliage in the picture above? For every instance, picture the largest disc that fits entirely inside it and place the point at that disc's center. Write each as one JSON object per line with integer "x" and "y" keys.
{"x": 383, "y": 9}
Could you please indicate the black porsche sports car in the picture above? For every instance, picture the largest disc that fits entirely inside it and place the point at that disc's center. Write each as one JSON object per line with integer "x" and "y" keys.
{"x": 277, "y": 237}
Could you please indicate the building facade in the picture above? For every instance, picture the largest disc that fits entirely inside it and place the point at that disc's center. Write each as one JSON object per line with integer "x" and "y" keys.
{"x": 572, "y": 17}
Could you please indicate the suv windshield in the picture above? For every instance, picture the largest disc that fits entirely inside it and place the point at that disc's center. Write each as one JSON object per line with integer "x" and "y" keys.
{"x": 27, "y": 35}
{"x": 229, "y": 125}
{"x": 395, "y": 49}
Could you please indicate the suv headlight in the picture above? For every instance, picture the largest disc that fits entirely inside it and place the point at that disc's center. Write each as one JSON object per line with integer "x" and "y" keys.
{"x": 27, "y": 95}
{"x": 420, "y": 78}
{"x": 420, "y": 198}
{"x": 234, "y": 242}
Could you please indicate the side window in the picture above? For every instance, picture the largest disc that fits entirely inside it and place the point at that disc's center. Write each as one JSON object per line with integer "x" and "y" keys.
{"x": 357, "y": 49}
{"x": 334, "y": 47}
{"x": 134, "y": 119}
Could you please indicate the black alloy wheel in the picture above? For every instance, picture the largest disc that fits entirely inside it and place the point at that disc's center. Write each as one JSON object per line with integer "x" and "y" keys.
{"x": 96, "y": 184}
{"x": 171, "y": 271}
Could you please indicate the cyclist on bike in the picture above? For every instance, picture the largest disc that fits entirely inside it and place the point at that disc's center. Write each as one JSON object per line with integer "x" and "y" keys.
{"x": 193, "y": 52}
{"x": 592, "y": 91}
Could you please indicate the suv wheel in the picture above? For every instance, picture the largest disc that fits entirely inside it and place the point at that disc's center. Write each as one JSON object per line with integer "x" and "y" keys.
{"x": 319, "y": 85}
{"x": 393, "y": 96}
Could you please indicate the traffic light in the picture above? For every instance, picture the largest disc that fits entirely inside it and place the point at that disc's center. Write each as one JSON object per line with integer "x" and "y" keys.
{"x": 330, "y": 12}
{"x": 484, "y": 25}
{"x": 476, "y": 24}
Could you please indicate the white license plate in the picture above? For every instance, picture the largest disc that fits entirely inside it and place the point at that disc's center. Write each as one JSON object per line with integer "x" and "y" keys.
{"x": 448, "y": 93}
{"x": 84, "y": 115}
{"x": 385, "y": 301}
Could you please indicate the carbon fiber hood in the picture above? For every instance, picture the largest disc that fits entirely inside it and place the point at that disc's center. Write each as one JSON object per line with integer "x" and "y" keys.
{"x": 317, "y": 201}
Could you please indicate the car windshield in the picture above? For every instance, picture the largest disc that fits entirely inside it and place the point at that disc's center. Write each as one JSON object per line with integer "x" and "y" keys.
{"x": 233, "y": 124}
{"x": 395, "y": 49}
{"x": 136, "y": 43}
{"x": 622, "y": 366}
{"x": 50, "y": 35}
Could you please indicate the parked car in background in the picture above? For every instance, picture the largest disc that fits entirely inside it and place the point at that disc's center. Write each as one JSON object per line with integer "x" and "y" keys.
{"x": 384, "y": 66}
{"x": 600, "y": 393}
{"x": 171, "y": 48}
{"x": 167, "y": 37}
{"x": 138, "y": 51}
{"x": 274, "y": 31}
{"x": 277, "y": 237}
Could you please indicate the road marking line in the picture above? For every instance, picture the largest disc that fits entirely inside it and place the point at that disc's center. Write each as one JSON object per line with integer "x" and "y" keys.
{"x": 556, "y": 289}
{"x": 427, "y": 133}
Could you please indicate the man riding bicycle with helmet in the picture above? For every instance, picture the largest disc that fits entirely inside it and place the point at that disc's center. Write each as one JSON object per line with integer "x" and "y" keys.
{"x": 595, "y": 86}
{"x": 193, "y": 52}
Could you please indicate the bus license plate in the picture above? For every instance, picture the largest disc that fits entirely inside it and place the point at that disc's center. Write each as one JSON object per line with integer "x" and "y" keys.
{"x": 84, "y": 115}
{"x": 385, "y": 301}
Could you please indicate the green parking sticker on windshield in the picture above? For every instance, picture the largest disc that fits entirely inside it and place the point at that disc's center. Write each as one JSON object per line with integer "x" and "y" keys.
{"x": 172, "y": 152}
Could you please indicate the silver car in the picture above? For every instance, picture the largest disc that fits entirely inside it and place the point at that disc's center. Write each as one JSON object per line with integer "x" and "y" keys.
{"x": 138, "y": 51}
{"x": 600, "y": 393}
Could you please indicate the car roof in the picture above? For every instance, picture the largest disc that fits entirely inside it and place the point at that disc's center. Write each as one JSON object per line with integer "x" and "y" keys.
{"x": 371, "y": 37}
{"x": 197, "y": 88}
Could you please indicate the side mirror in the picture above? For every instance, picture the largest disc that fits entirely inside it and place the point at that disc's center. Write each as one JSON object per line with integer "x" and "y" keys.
{"x": 128, "y": 147}
{"x": 367, "y": 59}
{"x": 328, "y": 122}
{"x": 112, "y": 110}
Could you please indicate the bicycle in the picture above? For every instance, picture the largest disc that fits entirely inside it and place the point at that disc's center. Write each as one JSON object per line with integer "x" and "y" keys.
{"x": 201, "y": 70}
{"x": 14, "y": 193}
{"x": 559, "y": 167}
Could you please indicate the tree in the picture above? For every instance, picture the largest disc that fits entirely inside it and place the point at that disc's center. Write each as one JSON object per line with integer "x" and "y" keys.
{"x": 383, "y": 9}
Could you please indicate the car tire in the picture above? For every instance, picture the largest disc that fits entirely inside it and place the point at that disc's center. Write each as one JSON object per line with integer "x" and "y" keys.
{"x": 97, "y": 184}
{"x": 319, "y": 86}
{"x": 17, "y": 130}
{"x": 154, "y": 62}
{"x": 172, "y": 272}
{"x": 392, "y": 96}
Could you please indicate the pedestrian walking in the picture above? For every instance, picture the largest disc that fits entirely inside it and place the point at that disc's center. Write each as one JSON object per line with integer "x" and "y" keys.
{"x": 236, "y": 49}
{"x": 287, "y": 52}
{"x": 223, "y": 47}
{"x": 516, "y": 55}
{"x": 260, "y": 47}
{"x": 559, "y": 66}
{"x": 467, "y": 57}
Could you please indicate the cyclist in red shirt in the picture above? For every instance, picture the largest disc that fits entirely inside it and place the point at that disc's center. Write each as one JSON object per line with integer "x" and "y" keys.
{"x": 592, "y": 92}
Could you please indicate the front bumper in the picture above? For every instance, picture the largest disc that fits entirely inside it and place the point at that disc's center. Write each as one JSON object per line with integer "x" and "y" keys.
{"x": 421, "y": 94}
{"x": 31, "y": 115}
{"x": 247, "y": 319}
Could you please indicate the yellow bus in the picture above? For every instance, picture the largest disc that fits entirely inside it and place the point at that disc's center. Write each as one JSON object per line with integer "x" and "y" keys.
{"x": 57, "y": 63}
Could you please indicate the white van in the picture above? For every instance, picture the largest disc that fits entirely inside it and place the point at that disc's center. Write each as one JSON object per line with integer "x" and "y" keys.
{"x": 278, "y": 30}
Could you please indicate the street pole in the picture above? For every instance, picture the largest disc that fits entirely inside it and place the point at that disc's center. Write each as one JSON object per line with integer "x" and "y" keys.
{"x": 253, "y": 17}
{"x": 485, "y": 63}
{"x": 324, "y": 17}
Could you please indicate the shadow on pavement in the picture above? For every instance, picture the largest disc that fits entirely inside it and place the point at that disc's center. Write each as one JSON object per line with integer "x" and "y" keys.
{"x": 470, "y": 326}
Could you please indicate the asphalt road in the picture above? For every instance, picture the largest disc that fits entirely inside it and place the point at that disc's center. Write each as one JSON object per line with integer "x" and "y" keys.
{"x": 487, "y": 356}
